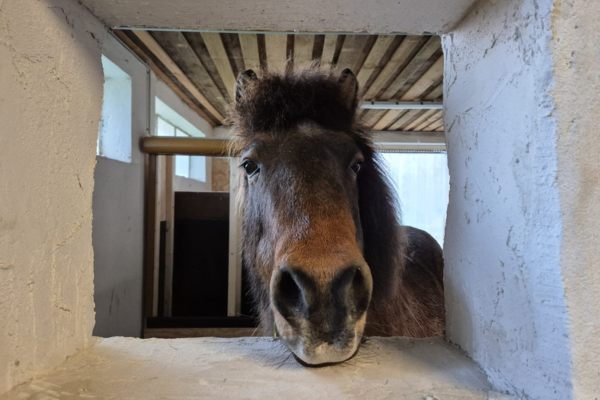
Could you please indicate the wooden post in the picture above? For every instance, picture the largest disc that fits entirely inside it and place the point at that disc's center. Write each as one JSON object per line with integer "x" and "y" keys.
{"x": 170, "y": 233}
{"x": 234, "y": 290}
{"x": 151, "y": 238}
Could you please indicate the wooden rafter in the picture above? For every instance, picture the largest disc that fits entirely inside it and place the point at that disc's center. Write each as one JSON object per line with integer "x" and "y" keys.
{"x": 399, "y": 58}
{"x": 140, "y": 53}
{"x": 202, "y": 67}
{"x": 374, "y": 58}
{"x": 249, "y": 45}
{"x": 160, "y": 53}
{"x": 303, "y": 49}
{"x": 328, "y": 51}
{"x": 276, "y": 47}
{"x": 215, "y": 47}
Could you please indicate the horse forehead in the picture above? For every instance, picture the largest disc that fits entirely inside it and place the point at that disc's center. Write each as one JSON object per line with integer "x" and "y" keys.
{"x": 308, "y": 139}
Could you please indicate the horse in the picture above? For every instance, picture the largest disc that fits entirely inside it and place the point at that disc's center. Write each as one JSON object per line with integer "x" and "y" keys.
{"x": 327, "y": 260}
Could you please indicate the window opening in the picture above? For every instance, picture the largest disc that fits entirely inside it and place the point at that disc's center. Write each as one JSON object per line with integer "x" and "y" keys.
{"x": 193, "y": 167}
{"x": 421, "y": 181}
{"x": 114, "y": 134}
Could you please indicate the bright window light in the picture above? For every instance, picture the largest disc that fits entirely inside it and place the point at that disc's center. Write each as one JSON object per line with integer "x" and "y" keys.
{"x": 114, "y": 136}
{"x": 193, "y": 167}
{"x": 421, "y": 182}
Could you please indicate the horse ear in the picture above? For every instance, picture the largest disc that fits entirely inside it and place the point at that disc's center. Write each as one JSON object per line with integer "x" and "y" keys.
{"x": 241, "y": 85}
{"x": 349, "y": 85}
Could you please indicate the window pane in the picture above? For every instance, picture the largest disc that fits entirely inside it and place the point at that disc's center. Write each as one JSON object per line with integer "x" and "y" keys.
{"x": 180, "y": 133}
{"x": 163, "y": 128}
{"x": 422, "y": 184}
{"x": 198, "y": 168}
{"x": 114, "y": 136}
{"x": 182, "y": 166}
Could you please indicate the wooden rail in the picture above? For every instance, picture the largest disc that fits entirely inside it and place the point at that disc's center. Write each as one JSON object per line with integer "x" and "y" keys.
{"x": 185, "y": 146}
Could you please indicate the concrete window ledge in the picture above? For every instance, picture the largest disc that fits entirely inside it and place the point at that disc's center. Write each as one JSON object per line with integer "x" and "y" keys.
{"x": 259, "y": 368}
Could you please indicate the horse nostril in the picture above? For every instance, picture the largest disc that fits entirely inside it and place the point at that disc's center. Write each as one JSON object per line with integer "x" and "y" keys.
{"x": 290, "y": 293}
{"x": 351, "y": 287}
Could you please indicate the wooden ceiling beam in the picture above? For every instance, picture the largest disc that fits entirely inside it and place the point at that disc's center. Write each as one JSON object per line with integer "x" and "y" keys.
{"x": 158, "y": 51}
{"x": 176, "y": 45}
{"x": 249, "y": 45}
{"x": 405, "y": 119}
{"x": 388, "y": 118}
{"x": 432, "y": 46}
{"x": 217, "y": 51}
{"x": 434, "y": 125}
{"x": 398, "y": 58}
{"x": 371, "y": 117}
{"x": 276, "y": 47}
{"x": 303, "y": 49}
{"x": 352, "y": 50}
{"x": 373, "y": 60}
{"x": 432, "y": 75}
{"x": 328, "y": 51}
{"x": 161, "y": 75}
{"x": 428, "y": 121}
{"x": 436, "y": 93}
{"x": 418, "y": 121}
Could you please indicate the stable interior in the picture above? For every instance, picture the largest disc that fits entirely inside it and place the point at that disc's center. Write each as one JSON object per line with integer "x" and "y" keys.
{"x": 519, "y": 238}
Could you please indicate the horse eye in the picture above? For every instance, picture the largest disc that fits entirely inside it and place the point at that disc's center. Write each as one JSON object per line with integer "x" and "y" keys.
{"x": 356, "y": 167}
{"x": 250, "y": 167}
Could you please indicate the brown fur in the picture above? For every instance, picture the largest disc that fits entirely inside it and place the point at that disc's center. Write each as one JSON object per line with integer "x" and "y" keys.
{"x": 285, "y": 116}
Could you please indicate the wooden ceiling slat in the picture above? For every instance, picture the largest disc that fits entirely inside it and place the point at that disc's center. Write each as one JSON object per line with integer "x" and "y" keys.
{"x": 373, "y": 60}
{"x": 161, "y": 75}
{"x": 303, "y": 49}
{"x": 233, "y": 48}
{"x": 428, "y": 121}
{"x": 405, "y": 119}
{"x": 249, "y": 45}
{"x": 433, "y": 74}
{"x": 197, "y": 43}
{"x": 318, "y": 47}
{"x": 436, "y": 93}
{"x": 398, "y": 58}
{"x": 388, "y": 67}
{"x": 432, "y": 46}
{"x": 434, "y": 125}
{"x": 418, "y": 121}
{"x": 180, "y": 51}
{"x": 352, "y": 50}
{"x": 217, "y": 51}
{"x": 440, "y": 129}
{"x": 435, "y": 88}
{"x": 155, "y": 48}
{"x": 387, "y": 119}
{"x": 328, "y": 51}
{"x": 439, "y": 123}
{"x": 371, "y": 117}
{"x": 276, "y": 48}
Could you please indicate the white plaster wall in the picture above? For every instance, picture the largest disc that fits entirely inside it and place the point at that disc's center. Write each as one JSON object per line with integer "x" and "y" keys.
{"x": 577, "y": 96}
{"x": 50, "y": 106}
{"x": 504, "y": 290}
{"x": 375, "y": 16}
{"x": 118, "y": 205}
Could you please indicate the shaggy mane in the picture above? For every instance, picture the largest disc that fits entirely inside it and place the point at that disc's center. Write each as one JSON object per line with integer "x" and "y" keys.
{"x": 276, "y": 102}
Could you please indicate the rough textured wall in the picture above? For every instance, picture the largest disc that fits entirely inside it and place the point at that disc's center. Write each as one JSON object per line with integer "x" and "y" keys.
{"x": 577, "y": 96}
{"x": 50, "y": 105}
{"x": 505, "y": 297}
